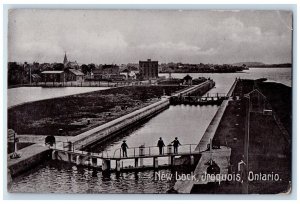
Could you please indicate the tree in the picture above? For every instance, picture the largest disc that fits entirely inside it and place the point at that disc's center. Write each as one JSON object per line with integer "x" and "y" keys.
{"x": 58, "y": 66}
{"x": 84, "y": 68}
{"x": 91, "y": 67}
{"x": 16, "y": 74}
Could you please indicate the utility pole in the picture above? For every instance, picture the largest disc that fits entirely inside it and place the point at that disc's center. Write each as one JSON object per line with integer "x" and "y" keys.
{"x": 246, "y": 145}
{"x": 30, "y": 75}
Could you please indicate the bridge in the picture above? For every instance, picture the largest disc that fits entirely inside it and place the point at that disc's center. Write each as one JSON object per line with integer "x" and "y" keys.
{"x": 208, "y": 99}
{"x": 135, "y": 159}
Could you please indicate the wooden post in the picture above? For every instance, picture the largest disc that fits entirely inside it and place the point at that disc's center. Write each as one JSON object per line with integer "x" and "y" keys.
{"x": 105, "y": 165}
{"x": 155, "y": 162}
{"x": 69, "y": 157}
{"x": 94, "y": 162}
{"x": 169, "y": 149}
{"x": 118, "y": 165}
{"x": 171, "y": 160}
{"x": 54, "y": 155}
{"x": 141, "y": 162}
{"x": 78, "y": 161}
{"x": 136, "y": 162}
{"x": 192, "y": 160}
{"x": 15, "y": 143}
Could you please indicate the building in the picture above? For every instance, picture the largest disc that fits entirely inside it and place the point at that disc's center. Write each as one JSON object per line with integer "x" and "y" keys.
{"x": 35, "y": 78}
{"x": 74, "y": 75}
{"x": 257, "y": 101}
{"x": 89, "y": 75}
{"x": 53, "y": 76}
{"x": 69, "y": 64}
{"x": 106, "y": 72}
{"x": 188, "y": 80}
{"x": 96, "y": 74}
{"x": 110, "y": 69}
{"x": 148, "y": 69}
{"x": 65, "y": 62}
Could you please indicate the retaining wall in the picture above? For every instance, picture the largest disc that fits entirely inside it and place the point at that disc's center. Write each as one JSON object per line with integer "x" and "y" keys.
{"x": 30, "y": 156}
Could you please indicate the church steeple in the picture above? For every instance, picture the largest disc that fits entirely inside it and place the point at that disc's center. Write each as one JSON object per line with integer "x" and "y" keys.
{"x": 65, "y": 59}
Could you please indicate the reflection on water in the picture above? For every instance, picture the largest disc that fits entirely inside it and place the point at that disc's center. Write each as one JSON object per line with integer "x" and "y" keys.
{"x": 188, "y": 123}
{"x": 66, "y": 178}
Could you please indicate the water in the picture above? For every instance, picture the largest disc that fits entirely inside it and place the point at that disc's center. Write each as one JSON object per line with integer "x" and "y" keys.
{"x": 188, "y": 123}
{"x": 21, "y": 95}
{"x": 65, "y": 178}
{"x": 224, "y": 80}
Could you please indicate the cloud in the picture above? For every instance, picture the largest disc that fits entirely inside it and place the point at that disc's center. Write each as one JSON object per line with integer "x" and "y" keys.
{"x": 129, "y": 36}
{"x": 176, "y": 47}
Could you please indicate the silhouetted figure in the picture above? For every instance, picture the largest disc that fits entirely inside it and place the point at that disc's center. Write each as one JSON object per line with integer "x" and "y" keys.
{"x": 160, "y": 145}
{"x": 50, "y": 140}
{"x": 176, "y": 143}
{"x": 124, "y": 147}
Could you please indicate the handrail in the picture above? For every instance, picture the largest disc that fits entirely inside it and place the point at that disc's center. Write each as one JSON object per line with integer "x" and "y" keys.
{"x": 146, "y": 151}
{"x": 154, "y": 150}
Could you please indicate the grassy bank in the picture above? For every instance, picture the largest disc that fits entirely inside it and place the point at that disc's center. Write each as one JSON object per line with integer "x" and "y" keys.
{"x": 78, "y": 113}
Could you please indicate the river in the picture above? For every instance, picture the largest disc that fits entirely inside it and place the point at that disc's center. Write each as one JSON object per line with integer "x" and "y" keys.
{"x": 188, "y": 123}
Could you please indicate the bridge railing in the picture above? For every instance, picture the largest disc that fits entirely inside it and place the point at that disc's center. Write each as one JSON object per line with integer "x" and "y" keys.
{"x": 208, "y": 95}
{"x": 154, "y": 151}
{"x": 68, "y": 146}
{"x": 140, "y": 151}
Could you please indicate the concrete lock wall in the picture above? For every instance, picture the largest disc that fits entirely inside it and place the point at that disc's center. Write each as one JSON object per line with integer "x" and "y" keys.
{"x": 116, "y": 125}
{"x": 75, "y": 158}
{"x": 205, "y": 86}
{"x": 26, "y": 162}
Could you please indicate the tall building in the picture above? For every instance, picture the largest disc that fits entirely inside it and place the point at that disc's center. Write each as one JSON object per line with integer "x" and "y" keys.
{"x": 148, "y": 69}
{"x": 65, "y": 60}
{"x": 69, "y": 64}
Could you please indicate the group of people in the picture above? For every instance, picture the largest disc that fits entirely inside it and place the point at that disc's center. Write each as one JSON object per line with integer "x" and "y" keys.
{"x": 160, "y": 145}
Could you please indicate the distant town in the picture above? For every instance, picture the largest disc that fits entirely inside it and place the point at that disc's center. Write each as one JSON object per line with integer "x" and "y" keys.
{"x": 68, "y": 71}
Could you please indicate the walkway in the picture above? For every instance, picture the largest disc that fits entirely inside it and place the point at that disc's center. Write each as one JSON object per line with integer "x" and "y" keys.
{"x": 220, "y": 156}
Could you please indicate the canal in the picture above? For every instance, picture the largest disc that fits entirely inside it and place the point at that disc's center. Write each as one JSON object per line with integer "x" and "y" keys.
{"x": 188, "y": 123}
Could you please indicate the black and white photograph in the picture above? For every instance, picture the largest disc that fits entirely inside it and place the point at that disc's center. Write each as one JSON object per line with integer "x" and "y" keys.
{"x": 149, "y": 101}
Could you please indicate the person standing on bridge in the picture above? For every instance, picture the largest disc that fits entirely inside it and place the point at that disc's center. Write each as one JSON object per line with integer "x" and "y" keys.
{"x": 160, "y": 145}
{"x": 176, "y": 143}
{"x": 124, "y": 147}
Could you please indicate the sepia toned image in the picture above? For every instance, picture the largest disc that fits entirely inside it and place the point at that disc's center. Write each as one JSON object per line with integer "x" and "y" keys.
{"x": 149, "y": 101}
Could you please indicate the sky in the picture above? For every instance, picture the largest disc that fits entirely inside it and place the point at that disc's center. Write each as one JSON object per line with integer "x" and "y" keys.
{"x": 127, "y": 36}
